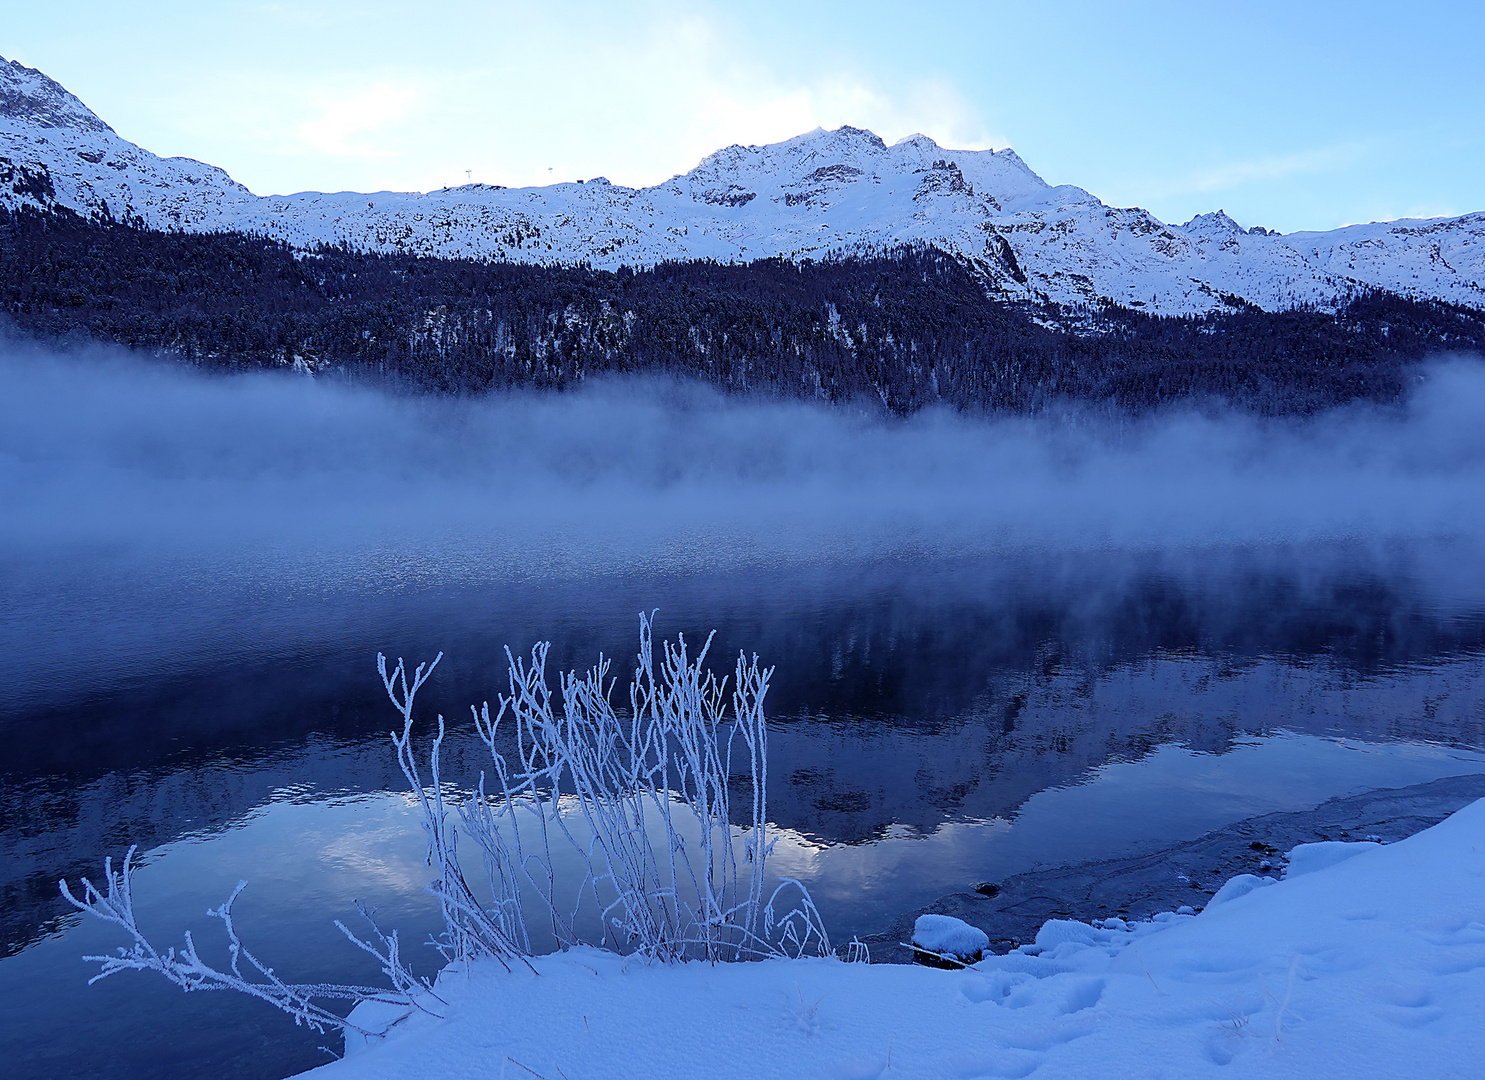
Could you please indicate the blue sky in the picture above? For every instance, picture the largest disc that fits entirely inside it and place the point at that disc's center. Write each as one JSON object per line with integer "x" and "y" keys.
{"x": 1297, "y": 115}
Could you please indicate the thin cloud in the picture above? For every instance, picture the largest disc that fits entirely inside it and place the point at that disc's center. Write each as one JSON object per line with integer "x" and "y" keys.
{"x": 642, "y": 110}
{"x": 1258, "y": 170}
{"x": 353, "y": 123}
{"x": 636, "y": 101}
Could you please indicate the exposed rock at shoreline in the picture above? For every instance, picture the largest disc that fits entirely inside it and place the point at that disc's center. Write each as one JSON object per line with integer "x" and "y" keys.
{"x": 1186, "y": 874}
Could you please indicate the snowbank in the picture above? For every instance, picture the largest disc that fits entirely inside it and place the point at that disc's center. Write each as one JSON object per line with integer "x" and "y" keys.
{"x": 950, "y": 937}
{"x": 1373, "y": 966}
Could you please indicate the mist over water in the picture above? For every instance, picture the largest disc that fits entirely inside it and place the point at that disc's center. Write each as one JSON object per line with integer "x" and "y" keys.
{"x": 104, "y": 452}
{"x": 987, "y": 633}
{"x": 156, "y": 516}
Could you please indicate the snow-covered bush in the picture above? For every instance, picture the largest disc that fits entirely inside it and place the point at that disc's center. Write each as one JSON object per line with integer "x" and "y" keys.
{"x": 186, "y": 969}
{"x": 643, "y": 797}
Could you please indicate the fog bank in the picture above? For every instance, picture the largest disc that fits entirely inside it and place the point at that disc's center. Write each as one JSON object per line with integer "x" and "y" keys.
{"x": 102, "y": 453}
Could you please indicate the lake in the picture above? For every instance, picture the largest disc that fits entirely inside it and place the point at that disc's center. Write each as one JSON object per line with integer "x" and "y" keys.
{"x": 999, "y": 643}
{"x": 935, "y": 721}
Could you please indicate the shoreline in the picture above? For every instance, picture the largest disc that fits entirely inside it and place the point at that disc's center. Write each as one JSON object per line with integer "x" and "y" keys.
{"x": 1184, "y": 874}
{"x": 1368, "y": 960}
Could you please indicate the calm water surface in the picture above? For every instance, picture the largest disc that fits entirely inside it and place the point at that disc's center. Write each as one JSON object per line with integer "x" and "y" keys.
{"x": 935, "y": 723}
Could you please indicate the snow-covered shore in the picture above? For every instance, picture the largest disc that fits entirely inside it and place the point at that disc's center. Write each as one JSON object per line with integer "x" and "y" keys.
{"x": 1010, "y": 910}
{"x": 1366, "y": 961}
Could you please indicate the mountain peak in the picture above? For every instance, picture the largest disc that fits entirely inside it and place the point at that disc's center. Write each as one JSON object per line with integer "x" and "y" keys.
{"x": 30, "y": 97}
{"x": 917, "y": 139}
{"x": 848, "y": 134}
{"x": 1215, "y": 222}
{"x": 821, "y": 194}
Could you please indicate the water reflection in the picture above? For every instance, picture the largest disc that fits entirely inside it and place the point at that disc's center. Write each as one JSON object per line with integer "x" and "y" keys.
{"x": 1172, "y": 793}
{"x": 935, "y": 722}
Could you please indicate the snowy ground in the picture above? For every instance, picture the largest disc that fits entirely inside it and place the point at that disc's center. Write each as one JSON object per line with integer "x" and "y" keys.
{"x": 1370, "y": 966}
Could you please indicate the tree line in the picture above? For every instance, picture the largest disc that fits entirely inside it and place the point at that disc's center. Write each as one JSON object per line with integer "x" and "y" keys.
{"x": 907, "y": 329}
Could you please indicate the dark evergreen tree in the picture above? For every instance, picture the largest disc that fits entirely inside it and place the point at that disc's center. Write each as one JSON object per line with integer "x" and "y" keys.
{"x": 903, "y": 331}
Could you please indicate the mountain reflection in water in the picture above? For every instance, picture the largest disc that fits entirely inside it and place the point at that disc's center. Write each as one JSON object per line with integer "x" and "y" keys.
{"x": 934, "y": 722}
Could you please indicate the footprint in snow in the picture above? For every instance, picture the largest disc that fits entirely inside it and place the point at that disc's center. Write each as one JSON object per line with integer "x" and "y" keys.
{"x": 1409, "y": 1006}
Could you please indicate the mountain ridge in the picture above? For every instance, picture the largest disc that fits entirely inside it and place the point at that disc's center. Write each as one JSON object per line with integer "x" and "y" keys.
{"x": 817, "y": 195}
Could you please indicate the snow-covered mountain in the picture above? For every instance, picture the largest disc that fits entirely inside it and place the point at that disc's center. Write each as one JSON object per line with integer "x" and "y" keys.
{"x": 820, "y": 193}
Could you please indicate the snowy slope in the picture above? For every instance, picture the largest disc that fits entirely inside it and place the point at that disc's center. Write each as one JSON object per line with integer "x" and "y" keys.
{"x": 1366, "y": 961}
{"x": 820, "y": 193}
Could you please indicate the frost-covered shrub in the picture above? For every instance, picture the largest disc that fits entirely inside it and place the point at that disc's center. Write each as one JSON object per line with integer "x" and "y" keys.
{"x": 245, "y": 972}
{"x": 642, "y": 796}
